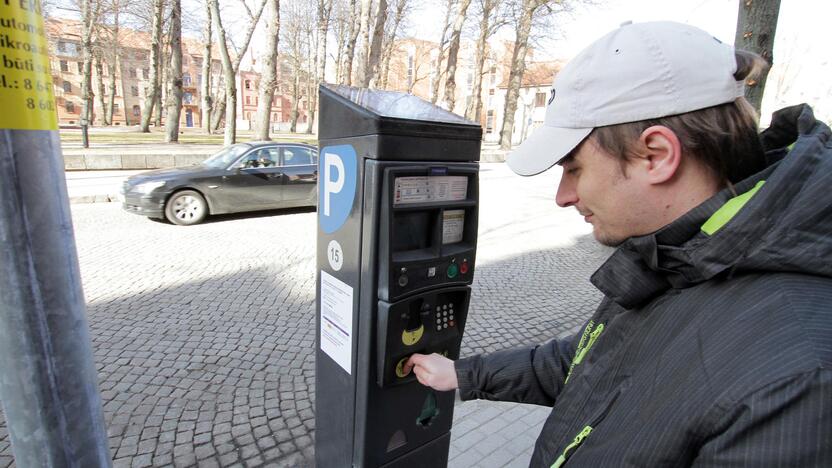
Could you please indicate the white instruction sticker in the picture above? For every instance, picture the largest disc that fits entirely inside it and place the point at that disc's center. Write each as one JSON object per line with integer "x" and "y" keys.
{"x": 429, "y": 189}
{"x": 453, "y": 222}
{"x": 336, "y": 320}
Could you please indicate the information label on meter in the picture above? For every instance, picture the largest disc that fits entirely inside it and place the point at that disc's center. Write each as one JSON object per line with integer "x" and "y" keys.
{"x": 453, "y": 222}
{"x": 26, "y": 94}
{"x": 336, "y": 320}
{"x": 429, "y": 189}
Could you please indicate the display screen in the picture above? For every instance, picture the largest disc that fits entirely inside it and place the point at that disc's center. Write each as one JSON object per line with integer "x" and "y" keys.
{"x": 413, "y": 230}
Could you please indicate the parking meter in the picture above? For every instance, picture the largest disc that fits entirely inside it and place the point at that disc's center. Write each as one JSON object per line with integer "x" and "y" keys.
{"x": 396, "y": 249}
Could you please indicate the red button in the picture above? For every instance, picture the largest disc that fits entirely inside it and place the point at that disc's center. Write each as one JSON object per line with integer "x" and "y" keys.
{"x": 463, "y": 268}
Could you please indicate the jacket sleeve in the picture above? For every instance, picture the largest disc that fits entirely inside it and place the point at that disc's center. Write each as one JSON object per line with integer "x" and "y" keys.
{"x": 787, "y": 423}
{"x": 525, "y": 375}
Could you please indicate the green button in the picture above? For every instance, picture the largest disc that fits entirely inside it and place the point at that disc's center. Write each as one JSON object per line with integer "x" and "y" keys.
{"x": 453, "y": 270}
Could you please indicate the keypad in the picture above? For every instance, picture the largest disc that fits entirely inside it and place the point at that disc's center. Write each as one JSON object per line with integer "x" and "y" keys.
{"x": 445, "y": 317}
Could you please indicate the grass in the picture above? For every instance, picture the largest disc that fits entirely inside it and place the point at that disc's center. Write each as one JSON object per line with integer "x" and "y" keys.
{"x": 133, "y": 136}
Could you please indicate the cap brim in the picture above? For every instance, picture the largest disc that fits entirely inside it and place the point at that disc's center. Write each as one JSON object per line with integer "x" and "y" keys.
{"x": 544, "y": 148}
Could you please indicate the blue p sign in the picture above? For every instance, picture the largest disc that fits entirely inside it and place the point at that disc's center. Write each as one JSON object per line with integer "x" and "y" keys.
{"x": 336, "y": 190}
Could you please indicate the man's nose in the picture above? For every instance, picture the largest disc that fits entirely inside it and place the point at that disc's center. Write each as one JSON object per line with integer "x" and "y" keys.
{"x": 566, "y": 195}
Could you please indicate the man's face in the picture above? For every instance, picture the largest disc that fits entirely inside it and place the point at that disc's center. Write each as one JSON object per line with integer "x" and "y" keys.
{"x": 595, "y": 183}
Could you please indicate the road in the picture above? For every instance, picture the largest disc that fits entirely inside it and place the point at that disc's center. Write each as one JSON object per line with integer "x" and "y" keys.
{"x": 204, "y": 335}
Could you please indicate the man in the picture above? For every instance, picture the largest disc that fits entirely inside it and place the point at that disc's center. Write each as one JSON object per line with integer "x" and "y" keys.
{"x": 713, "y": 343}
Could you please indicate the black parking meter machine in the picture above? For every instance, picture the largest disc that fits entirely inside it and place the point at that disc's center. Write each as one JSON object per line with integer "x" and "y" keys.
{"x": 397, "y": 237}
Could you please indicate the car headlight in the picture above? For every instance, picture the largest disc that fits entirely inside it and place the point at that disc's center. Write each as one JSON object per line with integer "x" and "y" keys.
{"x": 148, "y": 187}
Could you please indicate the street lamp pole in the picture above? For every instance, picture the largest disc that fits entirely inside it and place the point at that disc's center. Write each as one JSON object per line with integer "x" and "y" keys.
{"x": 48, "y": 381}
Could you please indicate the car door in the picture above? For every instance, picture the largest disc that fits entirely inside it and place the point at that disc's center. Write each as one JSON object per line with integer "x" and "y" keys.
{"x": 300, "y": 171}
{"x": 255, "y": 181}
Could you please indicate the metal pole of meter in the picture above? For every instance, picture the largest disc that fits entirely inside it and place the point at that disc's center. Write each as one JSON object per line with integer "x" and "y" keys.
{"x": 48, "y": 383}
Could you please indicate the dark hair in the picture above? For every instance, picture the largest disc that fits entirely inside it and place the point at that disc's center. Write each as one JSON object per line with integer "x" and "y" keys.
{"x": 723, "y": 138}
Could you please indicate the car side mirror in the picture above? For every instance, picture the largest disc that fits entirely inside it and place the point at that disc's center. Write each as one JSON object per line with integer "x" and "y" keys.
{"x": 238, "y": 170}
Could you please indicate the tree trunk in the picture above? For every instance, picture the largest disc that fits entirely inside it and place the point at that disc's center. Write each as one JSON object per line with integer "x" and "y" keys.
{"x": 401, "y": 5}
{"x": 437, "y": 69}
{"x": 453, "y": 52}
{"x": 756, "y": 26}
{"x": 111, "y": 67}
{"x": 152, "y": 91}
{"x": 205, "y": 86}
{"x": 364, "y": 51}
{"x": 371, "y": 77}
{"x": 120, "y": 66}
{"x": 352, "y": 37}
{"x": 230, "y": 69}
{"x": 474, "y": 109}
{"x": 324, "y": 13}
{"x": 293, "y": 123}
{"x": 268, "y": 81}
{"x": 86, "y": 71}
{"x": 174, "y": 101}
{"x": 228, "y": 73}
{"x": 518, "y": 67}
{"x": 99, "y": 72}
{"x": 160, "y": 96}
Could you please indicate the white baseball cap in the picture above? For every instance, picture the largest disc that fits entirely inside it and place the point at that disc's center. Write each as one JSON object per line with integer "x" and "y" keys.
{"x": 636, "y": 72}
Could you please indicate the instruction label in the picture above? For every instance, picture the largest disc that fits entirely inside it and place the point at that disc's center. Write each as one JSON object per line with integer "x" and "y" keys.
{"x": 453, "y": 222}
{"x": 336, "y": 320}
{"x": 26, "y": 94}
{"x": 429, "y": 189}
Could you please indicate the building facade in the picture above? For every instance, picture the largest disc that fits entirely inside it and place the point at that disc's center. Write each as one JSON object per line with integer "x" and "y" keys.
{"x": 125, "y": 74}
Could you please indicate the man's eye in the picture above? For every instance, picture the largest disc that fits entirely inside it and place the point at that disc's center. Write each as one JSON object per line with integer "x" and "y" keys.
{"x": 572, "y": 170}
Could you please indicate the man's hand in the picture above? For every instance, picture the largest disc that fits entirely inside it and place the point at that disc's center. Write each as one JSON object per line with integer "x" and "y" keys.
{"x": 435, "y": 371}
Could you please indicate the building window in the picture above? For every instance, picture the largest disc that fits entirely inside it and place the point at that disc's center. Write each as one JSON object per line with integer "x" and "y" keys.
{"x": 132, "y": 73}
{"x": 247, "y": 84}
{"x": 64, "y": 66}
{"x": 274, "y": 116}
{"x": 199, "y": 79}
{"x": 134, "y": 90}
{"x": 146, "y": 73}
{"x": 188, "y": 98}
{"x": 493, "y": 73}
{"x": 540, "y": 99}
{"x": 115, "y": 108}
{"x": 489, "y": 122}
{"x": 80, "y": 67}
{"x": 137, "y": 111}
{"x": 248, "y": 115}
{"x": 248, "y": 99}
{"x": 61, "y": 46}
{"x": 67, "y": 87}
{"x": 186, "y": 79}
{"x": 70, "y": 107}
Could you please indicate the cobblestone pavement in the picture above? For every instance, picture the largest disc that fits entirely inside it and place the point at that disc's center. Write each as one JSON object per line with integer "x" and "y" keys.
{"x": 204, "y": 336}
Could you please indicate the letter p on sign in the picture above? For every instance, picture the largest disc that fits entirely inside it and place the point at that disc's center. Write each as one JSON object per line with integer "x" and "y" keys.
{"x": 332, "y": 161}
{"x": 336, "y": 189}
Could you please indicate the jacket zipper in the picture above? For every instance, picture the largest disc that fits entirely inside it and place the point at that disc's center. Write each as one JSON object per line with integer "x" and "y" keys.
{"x": 583, "y": 350}
{"x": 579, "y": 439}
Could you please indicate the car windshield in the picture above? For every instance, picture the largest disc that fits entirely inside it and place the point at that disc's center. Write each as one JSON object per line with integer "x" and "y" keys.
{"x": 226, "y": 156}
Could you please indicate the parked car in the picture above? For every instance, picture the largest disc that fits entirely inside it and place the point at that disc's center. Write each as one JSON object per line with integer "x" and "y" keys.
{"x": 241, "y": 177}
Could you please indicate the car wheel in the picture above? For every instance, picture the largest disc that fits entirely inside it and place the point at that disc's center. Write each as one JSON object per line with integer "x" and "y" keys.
{"x": 186, "y": 208}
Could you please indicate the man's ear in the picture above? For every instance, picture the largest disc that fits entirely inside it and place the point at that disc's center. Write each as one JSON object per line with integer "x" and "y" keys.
{"x": 663, "y": 154}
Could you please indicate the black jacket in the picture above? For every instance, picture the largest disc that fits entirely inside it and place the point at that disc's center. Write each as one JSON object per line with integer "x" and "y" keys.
{"x": 708, "y": 349}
